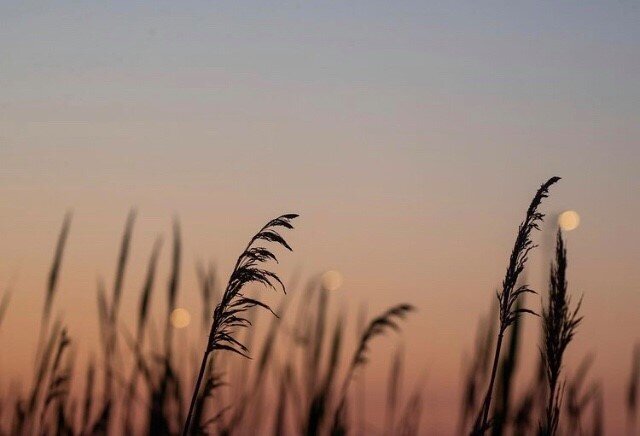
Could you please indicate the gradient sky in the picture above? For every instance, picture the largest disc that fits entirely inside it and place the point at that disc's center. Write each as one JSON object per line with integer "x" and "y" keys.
{"x": 410, "y": 136}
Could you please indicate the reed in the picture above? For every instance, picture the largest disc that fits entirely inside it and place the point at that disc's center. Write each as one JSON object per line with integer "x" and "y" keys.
{"x": 377, "y": 327}
{"x": 230, "y": 312}
{"x": 302, "y": 378}
{"x": 559, "y": 326}
{"x": 509, "y": 295}
{"x": 54, "y": 272}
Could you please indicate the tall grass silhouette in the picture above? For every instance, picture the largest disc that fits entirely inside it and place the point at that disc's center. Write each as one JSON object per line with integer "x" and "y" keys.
{"x": 559, "y": 324}
{"x": 307, "y": 372}
{"x": 230, "y": 312}
{"x": 509, "y": 295}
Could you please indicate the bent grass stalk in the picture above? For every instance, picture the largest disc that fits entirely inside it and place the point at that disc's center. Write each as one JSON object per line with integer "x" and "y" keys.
{"x": 377, "y": 327}
{"x": 230, "y": 312}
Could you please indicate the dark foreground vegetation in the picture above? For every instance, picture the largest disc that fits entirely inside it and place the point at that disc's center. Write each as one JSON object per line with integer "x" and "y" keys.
{"x": 301, "y": 377}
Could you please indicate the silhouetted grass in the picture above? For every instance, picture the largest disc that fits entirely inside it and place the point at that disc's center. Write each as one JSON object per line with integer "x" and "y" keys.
{"x": 509, "y": 295}
{"x": 306, "y": 362}
{"x": 377, "y": 327}
{"x": 55, "y": 272}
{"x": 230, "y": 312}
{"x": 559, "y": 323}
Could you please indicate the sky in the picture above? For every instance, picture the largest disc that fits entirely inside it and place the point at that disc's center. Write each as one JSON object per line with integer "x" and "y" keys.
{"x": 409, "y": 136}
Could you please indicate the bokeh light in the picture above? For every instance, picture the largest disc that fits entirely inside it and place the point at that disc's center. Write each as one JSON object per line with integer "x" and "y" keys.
{"x": 331, "y": 280}
{"x": 180, "y": 318}
{"x": 569, "y": 220}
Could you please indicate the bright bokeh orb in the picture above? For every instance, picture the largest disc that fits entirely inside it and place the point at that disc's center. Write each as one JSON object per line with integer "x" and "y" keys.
{"x": 331, "y": 280}
{"x": 569, "y": 220}
{"x": 180, "y": 318}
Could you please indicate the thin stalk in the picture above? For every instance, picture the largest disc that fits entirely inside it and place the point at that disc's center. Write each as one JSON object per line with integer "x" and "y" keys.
{"x": 509, "y": 295}
{"x": 486, "y": 404}
{"x": 196, "y": 390}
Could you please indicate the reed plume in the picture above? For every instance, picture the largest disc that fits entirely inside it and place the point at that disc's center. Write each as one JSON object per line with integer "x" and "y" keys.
{"x": 509, "y": 295}
{"x": 230, "y": 312}
{"x": 377, "y": 327}
{"x": 559, "y": 326}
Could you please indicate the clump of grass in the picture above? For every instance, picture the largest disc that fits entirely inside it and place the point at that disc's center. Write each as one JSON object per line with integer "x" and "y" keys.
{"x": 559, "y": 327}
{"x": 299, "y": 360}
{"x": 230, "y": 312}
{"x": 116, "y": 389}
{"x": 509, "y": 295}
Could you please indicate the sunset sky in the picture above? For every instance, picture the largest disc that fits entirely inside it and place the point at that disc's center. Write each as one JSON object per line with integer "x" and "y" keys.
{"x": 409, "y": 136}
